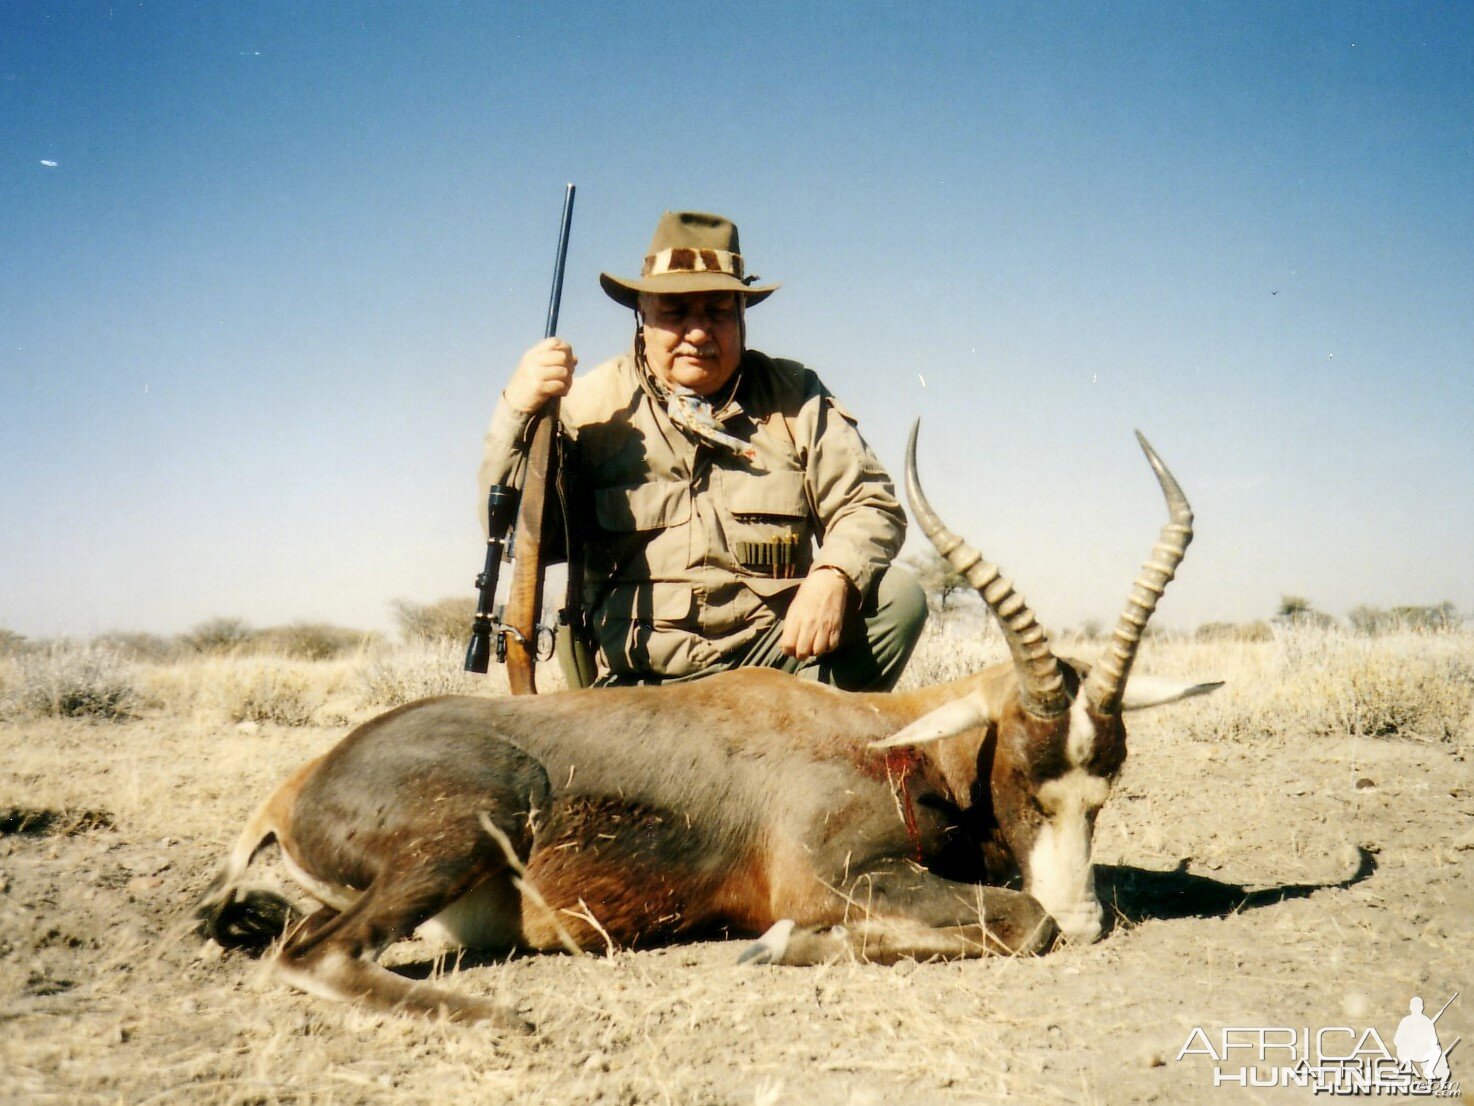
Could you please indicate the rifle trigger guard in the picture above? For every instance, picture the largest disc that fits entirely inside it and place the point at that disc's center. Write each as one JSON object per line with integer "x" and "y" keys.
{"x": 547, "y": 637}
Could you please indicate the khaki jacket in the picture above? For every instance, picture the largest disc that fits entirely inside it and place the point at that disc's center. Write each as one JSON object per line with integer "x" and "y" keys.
{"x": 662, "y": 516}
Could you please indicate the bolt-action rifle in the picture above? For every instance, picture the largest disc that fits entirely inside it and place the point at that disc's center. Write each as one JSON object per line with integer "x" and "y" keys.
{"x": 517, "y": 632}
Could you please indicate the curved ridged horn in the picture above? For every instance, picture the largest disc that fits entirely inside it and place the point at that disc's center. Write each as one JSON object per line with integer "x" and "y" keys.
{"x": 1041, "y": 687}
{"x": 1108, "y": 677}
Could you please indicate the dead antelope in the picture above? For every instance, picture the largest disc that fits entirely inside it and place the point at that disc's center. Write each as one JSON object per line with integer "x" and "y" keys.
{"x": 875, "y": 825}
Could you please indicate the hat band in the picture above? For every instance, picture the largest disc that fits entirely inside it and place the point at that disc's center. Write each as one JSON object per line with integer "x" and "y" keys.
{"x": 684, "y": 259}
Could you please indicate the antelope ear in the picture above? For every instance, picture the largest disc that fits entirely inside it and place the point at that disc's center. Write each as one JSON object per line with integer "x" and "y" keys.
{"x": 1145, "y": 692}
{"x": 948, "y": 719}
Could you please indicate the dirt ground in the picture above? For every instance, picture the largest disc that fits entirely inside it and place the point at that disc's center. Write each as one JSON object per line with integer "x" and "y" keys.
{"x": 1263, "y": 882}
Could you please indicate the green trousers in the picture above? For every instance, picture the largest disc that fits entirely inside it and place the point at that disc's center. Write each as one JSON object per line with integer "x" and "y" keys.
{"x": 874, "y": 647}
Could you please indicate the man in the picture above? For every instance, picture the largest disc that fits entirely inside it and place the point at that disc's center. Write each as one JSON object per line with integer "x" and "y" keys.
{"x": 705, "y": 472}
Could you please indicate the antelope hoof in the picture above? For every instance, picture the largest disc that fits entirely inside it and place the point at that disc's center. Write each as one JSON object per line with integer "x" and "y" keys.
{"x": 770, "y": 947}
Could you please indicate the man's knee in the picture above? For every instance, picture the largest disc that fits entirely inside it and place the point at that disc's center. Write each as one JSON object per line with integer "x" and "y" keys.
{"x": 901, "y": 603}
{"x": 893, "y": 619}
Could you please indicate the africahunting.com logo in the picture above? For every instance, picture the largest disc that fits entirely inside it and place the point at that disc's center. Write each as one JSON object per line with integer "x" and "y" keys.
{"x": 1333, "y": 1059}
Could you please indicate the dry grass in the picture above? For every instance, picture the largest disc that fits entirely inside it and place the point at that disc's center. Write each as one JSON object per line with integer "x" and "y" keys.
{"x": 252, "y": 688}
{"x": 1326, "y": 683}
{"x": 1303, "y": 680}
{"x": 104, "y": 999}
{"x": 69, "y": 680}
{"x": 426, "y": 667}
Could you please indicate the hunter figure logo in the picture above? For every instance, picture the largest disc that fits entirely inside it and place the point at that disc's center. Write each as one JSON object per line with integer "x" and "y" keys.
{"x": 1336, "y": 1059}
{"x": 1417, "y": 1045}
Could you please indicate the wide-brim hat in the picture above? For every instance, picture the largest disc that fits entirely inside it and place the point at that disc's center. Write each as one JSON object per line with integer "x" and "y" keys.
{"x": 692, "y": 251}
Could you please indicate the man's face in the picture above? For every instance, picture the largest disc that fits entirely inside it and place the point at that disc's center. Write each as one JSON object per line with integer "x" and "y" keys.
{"x": 693, "y": 339}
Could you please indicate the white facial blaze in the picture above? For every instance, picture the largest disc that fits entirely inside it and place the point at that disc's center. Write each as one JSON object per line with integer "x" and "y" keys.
{"x": 1080, "y": 741}
{"x": 1061, "y": 876}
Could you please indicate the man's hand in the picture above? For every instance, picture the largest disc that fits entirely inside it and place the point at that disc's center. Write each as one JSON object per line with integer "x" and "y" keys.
{"x": 816, "y": 615}
{"x": 545, "y": 371}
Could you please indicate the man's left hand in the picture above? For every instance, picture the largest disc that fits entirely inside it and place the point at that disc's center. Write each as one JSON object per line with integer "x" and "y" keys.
{"x": 815, "y": 617}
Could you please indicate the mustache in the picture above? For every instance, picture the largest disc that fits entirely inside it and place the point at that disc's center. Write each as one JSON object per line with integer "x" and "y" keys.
{"x": 705, "y": 350}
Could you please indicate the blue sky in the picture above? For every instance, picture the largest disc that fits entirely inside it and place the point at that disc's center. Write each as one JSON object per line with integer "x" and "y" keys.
{"x": 267, "y": 267}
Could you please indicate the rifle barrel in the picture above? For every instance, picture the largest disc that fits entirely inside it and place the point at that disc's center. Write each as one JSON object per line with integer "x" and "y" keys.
{"x": 524, "y": 597}
{"x": 1446, "y": 1005}
{"x": 557, "y": 297}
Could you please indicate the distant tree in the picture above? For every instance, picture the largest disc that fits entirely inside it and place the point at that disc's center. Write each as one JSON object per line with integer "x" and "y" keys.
{"x": 1295, "y": 610}
{"x": 11, "y": 642}
{"x": 1374, "y": 620}
{"x": 312, "y": 640}
{"x": 1293, "y": 607}
{"x": 938, "y": 579}
{"x": 437, "y": 621}
{"x": 1092, "y": 629}
{"x": 216, "y": 635}
{"x": 1258, "y": 630}
{"x": 1442, "y": 616}
{"x": 136, "y": 645}
{"x": 1369, "y": 620}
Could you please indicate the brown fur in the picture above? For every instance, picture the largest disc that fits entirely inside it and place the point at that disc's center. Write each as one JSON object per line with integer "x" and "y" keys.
{"x": 641, "y": 815}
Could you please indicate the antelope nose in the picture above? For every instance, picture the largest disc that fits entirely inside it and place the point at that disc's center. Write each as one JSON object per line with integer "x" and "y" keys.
{"x": 1080, "y": 925}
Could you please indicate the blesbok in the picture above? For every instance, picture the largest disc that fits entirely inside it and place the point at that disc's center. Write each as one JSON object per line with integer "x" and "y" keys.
{"x": 875, "y": 825}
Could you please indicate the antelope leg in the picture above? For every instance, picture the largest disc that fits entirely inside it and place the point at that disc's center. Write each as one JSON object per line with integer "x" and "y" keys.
{"x": 1001, "y": 922}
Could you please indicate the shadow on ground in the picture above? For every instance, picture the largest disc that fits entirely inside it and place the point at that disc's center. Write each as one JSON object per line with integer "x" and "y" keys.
{"x": 1138, "y": 894}
{"x": 19, "y": 821}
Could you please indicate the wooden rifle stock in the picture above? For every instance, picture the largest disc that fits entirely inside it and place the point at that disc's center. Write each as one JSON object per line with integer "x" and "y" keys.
{"x": 525, "y": 595}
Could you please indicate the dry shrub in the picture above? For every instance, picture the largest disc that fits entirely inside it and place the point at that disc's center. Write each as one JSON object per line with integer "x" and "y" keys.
{"x": 68, "y": 680}
{"x": 216, "y": 635}
{"x": 250, "y": 688}
{"x": 424, "y": 668}
{"x": 1253, "y": 701}
{"x": 1409, "y": 685}
{"x": 313, "y": 641}
{"x": 1235, "y": 631}
{"x": 268, "y": 689}
{"x": 1325, "y": 682}
{"x": 138, "y": 646}
{"x": 952, "y": 648}
{"x": 443, "y": 620}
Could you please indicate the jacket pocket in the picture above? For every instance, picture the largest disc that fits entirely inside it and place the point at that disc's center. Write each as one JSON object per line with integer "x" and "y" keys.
{"x": 649, "y": 506}
{"x": 778, "y": 497}
{"x": 641, "y": 628}
{"x": 656, "y": 602}
{"x": 767, "y": 524}
{"x": 771, "y": 590}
